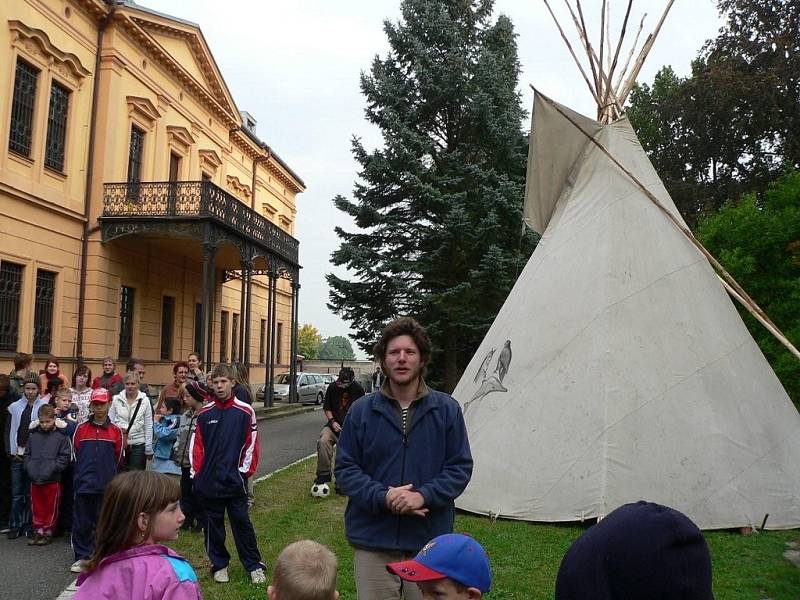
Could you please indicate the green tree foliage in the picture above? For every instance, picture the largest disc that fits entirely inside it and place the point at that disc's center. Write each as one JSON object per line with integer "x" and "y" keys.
{"x": 308, "y": 341}
{"x": 438, "y": 208}
{"x": 731, "y": 126}
{"x": 758, "y": 241}
{"x": 336, "y": 347}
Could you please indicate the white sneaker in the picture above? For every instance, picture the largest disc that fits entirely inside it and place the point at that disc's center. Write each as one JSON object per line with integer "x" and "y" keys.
{"x": 221, "y": 576}
{"x": 258, "y": 576}
{"x": 77, "y": 566}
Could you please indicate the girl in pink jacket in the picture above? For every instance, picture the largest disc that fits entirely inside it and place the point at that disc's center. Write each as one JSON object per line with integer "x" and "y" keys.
{"x": 140, "y": 509}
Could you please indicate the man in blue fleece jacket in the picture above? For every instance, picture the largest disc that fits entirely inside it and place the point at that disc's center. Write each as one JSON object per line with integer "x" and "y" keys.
{"x": 403, "y": 457}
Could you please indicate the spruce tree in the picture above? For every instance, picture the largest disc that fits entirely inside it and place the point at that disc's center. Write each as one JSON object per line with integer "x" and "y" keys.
{"x": 438, "y": 208}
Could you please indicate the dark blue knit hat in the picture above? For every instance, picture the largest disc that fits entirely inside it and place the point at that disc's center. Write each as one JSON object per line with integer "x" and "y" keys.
{"x": 641, "y": 551}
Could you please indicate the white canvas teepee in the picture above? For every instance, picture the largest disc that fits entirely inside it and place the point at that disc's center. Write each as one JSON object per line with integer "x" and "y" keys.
{"x": 618, "y": 368}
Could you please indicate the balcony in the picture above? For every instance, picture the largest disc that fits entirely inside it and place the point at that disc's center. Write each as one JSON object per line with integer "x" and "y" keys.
{"x": 127, "y": 205}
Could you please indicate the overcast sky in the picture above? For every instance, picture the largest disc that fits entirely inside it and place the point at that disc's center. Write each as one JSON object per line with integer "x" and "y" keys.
{"x": 295, "y": 67}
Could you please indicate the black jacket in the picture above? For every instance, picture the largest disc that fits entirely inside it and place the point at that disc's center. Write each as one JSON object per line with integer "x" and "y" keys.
{"x": 47, "y": 454}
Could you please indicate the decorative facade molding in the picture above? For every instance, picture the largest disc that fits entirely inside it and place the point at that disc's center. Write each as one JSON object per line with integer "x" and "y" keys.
{"x": 210, "y": 159}
{"x": 238, "y": 187}
{"x": 36, "y": 43}
{"x": 181, "y": 136}
{"x": 143, "y": 109}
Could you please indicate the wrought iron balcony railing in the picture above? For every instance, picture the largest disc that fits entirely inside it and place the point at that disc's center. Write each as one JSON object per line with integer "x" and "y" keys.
{"x": 199, "y": 200}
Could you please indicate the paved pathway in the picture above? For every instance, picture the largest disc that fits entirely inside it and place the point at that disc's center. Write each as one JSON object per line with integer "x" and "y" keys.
{"x": 42, "y": 572}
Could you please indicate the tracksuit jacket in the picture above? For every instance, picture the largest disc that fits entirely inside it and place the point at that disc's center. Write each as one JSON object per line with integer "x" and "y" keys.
{"x": 374, "y": 453}
{"x": 149, "y": 572}
{"x": 224, "y": 448}
{"x": 98, "y": 455}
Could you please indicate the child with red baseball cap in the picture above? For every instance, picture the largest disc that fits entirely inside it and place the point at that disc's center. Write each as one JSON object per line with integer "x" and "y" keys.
{"x": 97, "y": 445}
{"x": 449, "y": 567}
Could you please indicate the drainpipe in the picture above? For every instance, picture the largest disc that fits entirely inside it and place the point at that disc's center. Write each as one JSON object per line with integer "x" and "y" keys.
{"x": 87, "y": 201}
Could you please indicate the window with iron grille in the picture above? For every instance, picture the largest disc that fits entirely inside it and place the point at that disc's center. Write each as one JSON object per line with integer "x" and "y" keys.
{"x": 167, "y": 319}
{"x": 262, "y": 337}
{"x": 43, "y": 311}
{"x": 223, "y": 337}
{"x": 135, "y": 150}
{"x": 22, "y": 105}
{"x": 126, "y": 299}
{"x": 56, "y": 127}
{"x": 279, "y": 344}
{"x": 10, "y": 293}
{"x": 234, "y": 336}
{"x": 198, "y": 326}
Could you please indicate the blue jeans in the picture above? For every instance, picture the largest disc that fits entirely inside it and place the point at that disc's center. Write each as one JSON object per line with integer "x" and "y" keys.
{"x": 21, "y": 517}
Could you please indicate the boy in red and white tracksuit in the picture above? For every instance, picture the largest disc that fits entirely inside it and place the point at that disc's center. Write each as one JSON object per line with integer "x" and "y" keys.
{"x": 224, "y": 455}
{"x": 97, "y": 444}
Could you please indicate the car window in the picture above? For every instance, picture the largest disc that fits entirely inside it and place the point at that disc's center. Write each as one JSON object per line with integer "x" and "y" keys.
{"x": 304, "y": 380}
{"x": 317, "y": 379}
{"x": 282, "y": 378}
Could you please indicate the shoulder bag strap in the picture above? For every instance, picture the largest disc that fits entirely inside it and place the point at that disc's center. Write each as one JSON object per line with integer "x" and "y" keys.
{"x": 135, "y": 412}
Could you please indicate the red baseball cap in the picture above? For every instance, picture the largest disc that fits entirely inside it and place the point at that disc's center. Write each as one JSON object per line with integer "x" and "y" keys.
{"x": 100, "y": 395}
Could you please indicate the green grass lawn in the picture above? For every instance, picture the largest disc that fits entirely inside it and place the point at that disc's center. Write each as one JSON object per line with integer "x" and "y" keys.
{"x": 525, "y": 556}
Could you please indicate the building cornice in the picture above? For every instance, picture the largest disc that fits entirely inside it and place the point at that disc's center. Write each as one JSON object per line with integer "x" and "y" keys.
{"x": 227, "y": 114}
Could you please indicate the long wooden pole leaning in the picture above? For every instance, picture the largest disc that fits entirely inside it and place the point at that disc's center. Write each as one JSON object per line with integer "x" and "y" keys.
{"x": 731, "y": 283}
{"x": 768, "y": 325}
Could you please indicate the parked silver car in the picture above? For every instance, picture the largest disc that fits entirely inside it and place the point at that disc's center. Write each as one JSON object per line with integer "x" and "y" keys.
{"x": 310, "y": 388}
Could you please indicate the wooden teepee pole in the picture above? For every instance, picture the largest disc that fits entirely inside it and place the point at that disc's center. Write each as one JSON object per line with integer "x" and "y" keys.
{"x": 613, "y": 66}
{"x": 603, "y": 91}
{"x": 768, "y": 325}
{"x": 597, "y": 69}
{"x": 630, "y": 56}
{"x": 583, "y": 34}
{"x": 740, "y": 295}
{"x": 637, "y": 66}
{"x": 572, "y": 52}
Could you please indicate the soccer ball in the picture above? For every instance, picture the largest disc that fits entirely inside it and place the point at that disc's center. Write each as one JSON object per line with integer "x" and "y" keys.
{"x": 320, "y": 490}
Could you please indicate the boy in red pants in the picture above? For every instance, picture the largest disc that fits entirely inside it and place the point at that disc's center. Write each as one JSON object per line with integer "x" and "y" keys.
{"x": 47, "y": 454}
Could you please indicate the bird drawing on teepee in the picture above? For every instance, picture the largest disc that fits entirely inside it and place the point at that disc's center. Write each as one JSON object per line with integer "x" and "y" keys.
{"x": 493, "y": 383}
{"x": 481, "y": 374}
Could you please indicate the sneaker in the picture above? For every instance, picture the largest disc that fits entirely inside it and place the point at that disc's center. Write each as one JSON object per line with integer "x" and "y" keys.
{"x": 5, "y": 530}
{"x": 258, "y": 576}
{"x": 221, "y": 576}
{"x": 34, "y": 541}
{"x": 77, "y": 566}
{"x": 44, "y": 540}
{"x": 13, "y": 534}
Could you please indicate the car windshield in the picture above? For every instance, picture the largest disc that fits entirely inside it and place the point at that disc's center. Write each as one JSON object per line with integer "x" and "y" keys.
{"x": 282, "y": 378}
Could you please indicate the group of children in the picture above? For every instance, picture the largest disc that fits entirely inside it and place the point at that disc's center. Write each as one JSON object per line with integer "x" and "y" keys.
{"x": 141, "y": 510}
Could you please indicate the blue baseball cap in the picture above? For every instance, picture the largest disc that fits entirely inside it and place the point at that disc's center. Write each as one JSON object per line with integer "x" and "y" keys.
{"x": 453, "y": 555}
